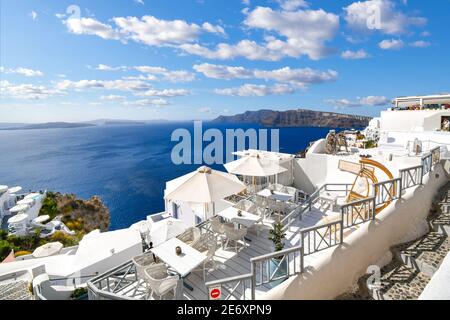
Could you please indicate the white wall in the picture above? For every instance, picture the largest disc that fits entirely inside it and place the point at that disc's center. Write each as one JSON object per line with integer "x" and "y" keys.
{"x": 332, "y": 274}
{"x": 408, "y": 120}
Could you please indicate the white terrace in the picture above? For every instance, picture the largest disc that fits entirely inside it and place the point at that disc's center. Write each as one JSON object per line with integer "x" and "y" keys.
{"x": 250, "y": 268}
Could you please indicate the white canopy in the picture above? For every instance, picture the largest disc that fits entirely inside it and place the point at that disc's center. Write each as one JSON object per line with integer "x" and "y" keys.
{"x": 25, "y": 201}
{"x": 19, "y": 208}
{"x": 48, "y": 249}
{"x": 32, "y": 195}
{"x": 41, "y": 219}
{"x": 18, "y": 218}
{"x": 15, "y": 189}
{"x": 254, "y": 166}
{"x": 203, "y": 186}
{"x": 166, "y": 229}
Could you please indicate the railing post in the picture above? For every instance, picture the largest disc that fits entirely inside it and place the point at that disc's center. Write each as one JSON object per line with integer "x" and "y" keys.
{"x": 421, "y": 175}
{"x": 373, "y": 209}
{"x": 341, "y": 230}
{"x": 400, "y": 188}
{"x": 253, "y": 282}
{"x": 302, "y": 253}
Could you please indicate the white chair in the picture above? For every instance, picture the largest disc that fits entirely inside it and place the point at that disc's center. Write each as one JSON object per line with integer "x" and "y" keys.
{"x": 235, "y": 235}
{"x": 142, "y": 262}
{"x": 218, "y": 228}
{"x": 190, "y": 236}
{"x": 159, "y": 281}
{"x": 208, "y": 246}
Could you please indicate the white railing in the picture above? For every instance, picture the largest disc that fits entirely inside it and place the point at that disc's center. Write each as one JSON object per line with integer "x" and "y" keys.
{"x": 233, "y": 288}
{"x": 387, "y": 191}
{"x": 357, "y": 212}
{"x": 318, "y": 238}
{"x": 277, "y": 266}
{"x": 411, "y": 176}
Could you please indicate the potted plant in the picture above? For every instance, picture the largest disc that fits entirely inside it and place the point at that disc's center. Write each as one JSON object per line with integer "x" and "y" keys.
{"x": 277, "y": 236}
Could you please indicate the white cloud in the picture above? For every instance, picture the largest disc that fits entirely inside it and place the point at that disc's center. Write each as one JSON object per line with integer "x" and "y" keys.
{"x": 148, "y": 29}
{"x": 302, "y": 32}
{"x": 141, "y": 2}
{"x": 121, "y": 85}
{"x": 290, "y": 5}
{"x": 113, "y": 97}
{"x": 297, "y": 77}
{"x": 381, "y": 15}
{"x": 164, "y": 93}
{"x": 391, "y": 44}
{"x": 169, "y": 75}
{"x": 359, "y": 102}
{"x": 26, "y": 91}
{"x": 92, "y": 27}
{"x": 147, "y": 102}
{"x": 23, "y": 71}
{"x": 420, "y": 44}
{"x": 360, "y": 54}
{"x": 104, "y": 67}
{"x": 33, "y": 15}
{"x": 205, "y": 110}
{"x": 248, "y": 90}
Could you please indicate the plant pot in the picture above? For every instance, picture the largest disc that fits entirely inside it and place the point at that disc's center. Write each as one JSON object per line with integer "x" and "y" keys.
{"x": 281, "y": 272}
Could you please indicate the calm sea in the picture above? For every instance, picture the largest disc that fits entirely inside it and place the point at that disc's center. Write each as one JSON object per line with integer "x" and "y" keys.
{"x": 127, "y": 166}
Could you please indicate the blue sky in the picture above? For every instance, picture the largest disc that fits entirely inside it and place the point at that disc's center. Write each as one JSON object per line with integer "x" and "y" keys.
{"x": 197, "y": 59}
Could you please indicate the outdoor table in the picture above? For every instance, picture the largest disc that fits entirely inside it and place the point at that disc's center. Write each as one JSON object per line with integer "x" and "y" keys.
{"x": 327, "y": 199}
{"x": 184, "y": 263}
{"x": 276, "y": 195}
{"x": 246, "y": 219}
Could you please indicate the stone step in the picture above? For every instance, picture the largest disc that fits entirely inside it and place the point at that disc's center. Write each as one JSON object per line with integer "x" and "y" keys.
{"x": 399, "y": 282}
{"x": 17, "y": 290}
{"x": 441, "y": 224}
{"x": 425, "y": 254}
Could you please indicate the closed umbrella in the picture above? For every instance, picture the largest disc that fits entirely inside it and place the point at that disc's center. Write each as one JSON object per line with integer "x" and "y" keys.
{"x": 143, "y": 227}
{"x": 166, "y": 229}
{"x": 48, "y": 249}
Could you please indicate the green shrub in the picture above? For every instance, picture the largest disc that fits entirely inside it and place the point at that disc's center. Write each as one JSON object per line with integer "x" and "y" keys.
{"x": 5, "y": 249}
{"x": 78, "y": 292}
{"x": 65, "y": 239}
{"x": 49, "y": 206}
{"x": 22, "y": 253}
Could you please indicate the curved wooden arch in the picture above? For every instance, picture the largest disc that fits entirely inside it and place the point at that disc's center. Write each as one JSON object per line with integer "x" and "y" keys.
{"x": 370, "y": 175}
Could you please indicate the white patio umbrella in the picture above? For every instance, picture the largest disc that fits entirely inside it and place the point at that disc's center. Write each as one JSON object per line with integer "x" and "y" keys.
{"x": 255, "y": 166}
{"x": 32, "y": 195}
{"x": 48, "y": 249}
{"x": 28, "y": 201}
{"x": 19, "y": 208}
{"x": 41, "y": 219}
{"x": 15, "y": 189}
{"x": 166, "y": 229}
{"x": 203, "y": 186}
{"x": 18, "y": 218}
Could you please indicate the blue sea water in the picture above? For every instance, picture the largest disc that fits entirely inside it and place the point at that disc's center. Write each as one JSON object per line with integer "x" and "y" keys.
{"x": 127, "y": 166}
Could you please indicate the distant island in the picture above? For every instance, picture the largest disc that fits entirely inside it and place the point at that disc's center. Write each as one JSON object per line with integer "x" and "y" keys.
{"x": 66, "y": 125}
{"x": 297, "y": 118}
{"x": 48, "y": 125}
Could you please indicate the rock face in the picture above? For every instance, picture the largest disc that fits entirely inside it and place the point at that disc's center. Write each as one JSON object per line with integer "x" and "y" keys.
{"x": 297, "y": 118}
{"x": 84, "y": 215}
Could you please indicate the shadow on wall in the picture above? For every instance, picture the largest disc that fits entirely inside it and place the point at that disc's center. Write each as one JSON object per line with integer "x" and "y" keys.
{"x": 301, "y": 179}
